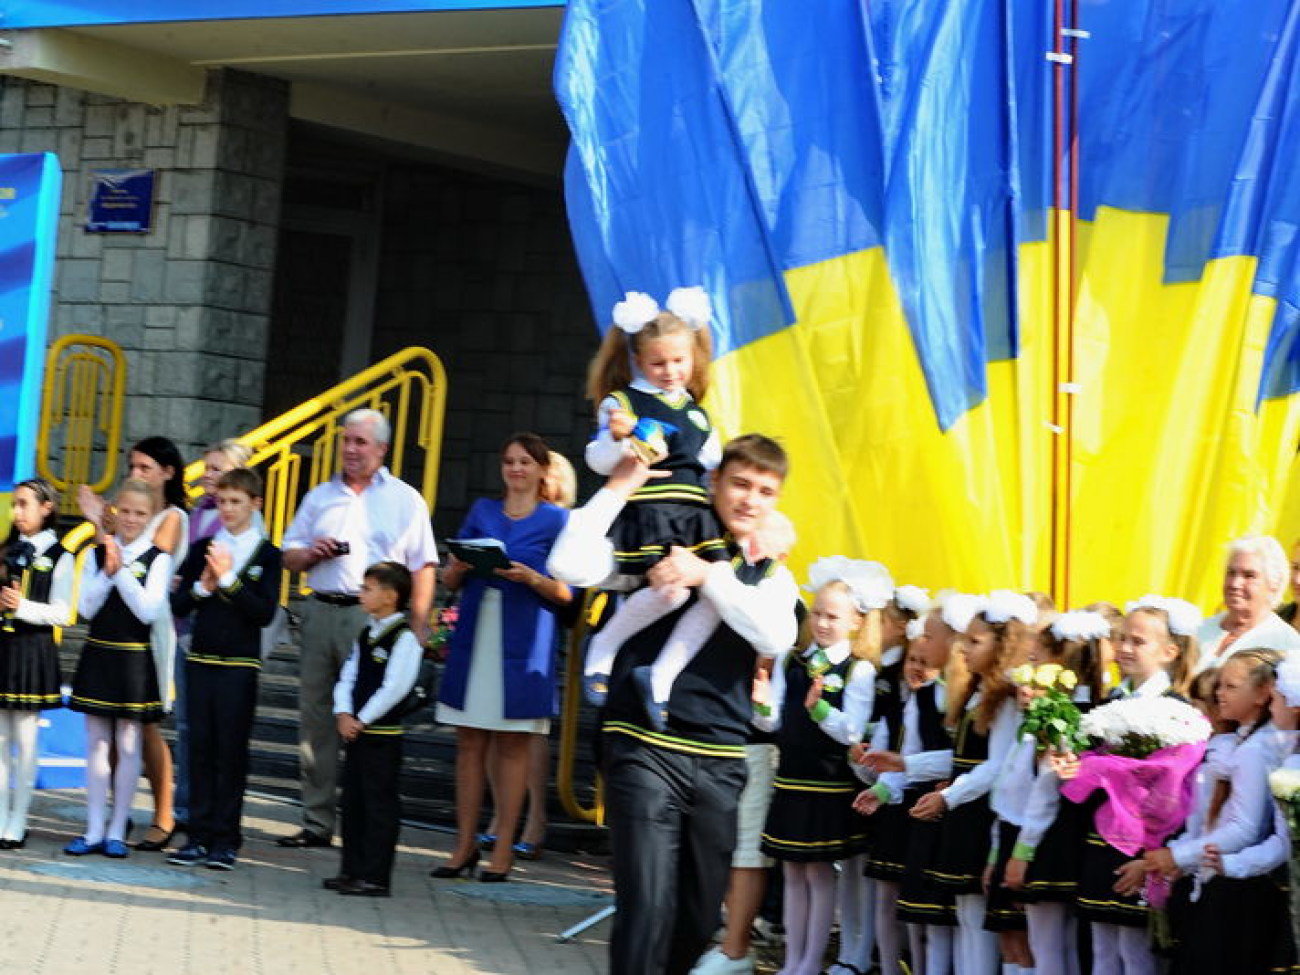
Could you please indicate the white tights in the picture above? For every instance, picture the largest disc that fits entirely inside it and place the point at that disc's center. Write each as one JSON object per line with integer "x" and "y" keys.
{"x": 977, "y": 950}
{"x": 101, "y": 735}
{"x": 1121, "y": 950}
{"x": 1053, "y": 938}
{"x": 938, "y": 947}
{"x": 17, "y": 770}
{"x": 809, "y": 912}
{"x": 857, "y": 903}
{"x": 889, "y": 930}
{"x": 637, "y": 612}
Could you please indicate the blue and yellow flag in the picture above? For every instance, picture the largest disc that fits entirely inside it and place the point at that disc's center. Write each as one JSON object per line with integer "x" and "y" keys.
{"x": 982, "y": 383}
{"x": 29, "y": 216}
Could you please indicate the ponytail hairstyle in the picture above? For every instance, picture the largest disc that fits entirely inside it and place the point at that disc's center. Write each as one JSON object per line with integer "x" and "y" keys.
{"x": 1182, "y": 620}
{"x": 1012, "y": 617}
{"x": 639, "y": 320}
{"x": 165, "y": 453}
{"x": 1075, "y": 641}
{"x": 1261, "y": 670}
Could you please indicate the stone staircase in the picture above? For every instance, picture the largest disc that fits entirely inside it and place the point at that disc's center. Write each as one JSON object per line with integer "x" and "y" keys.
{"x": 428, "y": 771}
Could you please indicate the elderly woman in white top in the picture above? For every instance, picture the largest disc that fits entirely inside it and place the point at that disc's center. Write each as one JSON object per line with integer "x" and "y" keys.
{"x": 1253, "y": 583}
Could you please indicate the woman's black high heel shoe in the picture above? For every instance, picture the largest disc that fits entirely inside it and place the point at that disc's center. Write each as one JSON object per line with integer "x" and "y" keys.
{"x": 493, "y": 876}
{"x": 466, "y": 869}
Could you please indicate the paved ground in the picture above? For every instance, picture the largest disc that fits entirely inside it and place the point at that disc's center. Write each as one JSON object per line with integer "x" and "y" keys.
{"x": 138, "y": 916}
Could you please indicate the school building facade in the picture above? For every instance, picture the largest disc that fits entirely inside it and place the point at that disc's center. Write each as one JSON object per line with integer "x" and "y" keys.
{"x": 330, "y": 186}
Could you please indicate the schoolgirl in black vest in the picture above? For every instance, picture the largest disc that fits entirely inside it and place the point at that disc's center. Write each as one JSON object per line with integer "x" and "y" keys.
{"x": 1039, "y": 836}
{"x": 907, "y": 846}
{"x": 821, "y": 702}
{"x": 984, "y": 719}
{"x": 35, "y": 599}
{"x": 646, "y": 380}
{"x": 124, "y": 588}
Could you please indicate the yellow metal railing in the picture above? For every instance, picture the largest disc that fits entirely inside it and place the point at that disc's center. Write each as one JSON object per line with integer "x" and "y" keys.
{"x": 299, "y": 449}
{"x": 81, "y": 412}
{"x": 565, "y": 787}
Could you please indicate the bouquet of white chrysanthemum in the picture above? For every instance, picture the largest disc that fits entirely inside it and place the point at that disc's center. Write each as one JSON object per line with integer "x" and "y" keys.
{"x": 1285, "y": 784}
{"x": 1138, "y": 727}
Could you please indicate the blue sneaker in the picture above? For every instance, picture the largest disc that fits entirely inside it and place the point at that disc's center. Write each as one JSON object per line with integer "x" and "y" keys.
{"x": 115, "y": 849}
{"x": 656, "y": 711}
{"x": 80, "y": 848}
{"x": 191, "y": 855}
{"x": 221, "y": 858}
{"x": 595, "y": 688}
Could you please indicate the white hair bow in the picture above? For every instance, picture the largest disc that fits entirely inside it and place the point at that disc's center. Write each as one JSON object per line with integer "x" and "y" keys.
{"x": 635, "y": 311}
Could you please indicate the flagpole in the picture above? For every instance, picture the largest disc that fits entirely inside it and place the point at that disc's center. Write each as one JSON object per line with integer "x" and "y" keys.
{"x": 1065, "y": 204}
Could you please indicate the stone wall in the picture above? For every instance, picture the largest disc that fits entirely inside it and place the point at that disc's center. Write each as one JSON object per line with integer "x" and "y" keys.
{"x": 188, "y": 301}
{"x": 482, "y": 271}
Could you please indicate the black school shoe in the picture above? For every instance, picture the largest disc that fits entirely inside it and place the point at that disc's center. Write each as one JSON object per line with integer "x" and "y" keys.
{"x": 304, "y": 838}
{"x": 363, "y": 888}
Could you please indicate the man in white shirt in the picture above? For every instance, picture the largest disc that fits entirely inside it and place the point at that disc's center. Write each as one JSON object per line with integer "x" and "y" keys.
{"x": 361, "y": 516}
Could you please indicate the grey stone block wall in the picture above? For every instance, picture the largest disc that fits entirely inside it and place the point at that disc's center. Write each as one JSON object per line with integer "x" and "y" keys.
{"x": 482, "y": 271}
{"x": 189, "y": 301}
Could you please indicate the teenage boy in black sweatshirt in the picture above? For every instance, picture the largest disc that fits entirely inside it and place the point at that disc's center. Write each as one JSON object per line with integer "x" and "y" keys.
{"x": 231, "y": 583}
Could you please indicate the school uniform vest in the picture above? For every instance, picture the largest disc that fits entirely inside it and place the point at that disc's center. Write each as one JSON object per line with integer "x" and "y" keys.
{"x": 686, "y": 429}
{"x": 929, "y": 723}
{"x": 807, "y": 752}
{"x": 888, "y": 706}
{"x": 38, "y": 581}
{"x": 115, "y": 623}
{"x": 222, "y": 634}
{"x": 373, "y": 654}
{"x": 711, "y": 703}
{"x": 971, "y": 748}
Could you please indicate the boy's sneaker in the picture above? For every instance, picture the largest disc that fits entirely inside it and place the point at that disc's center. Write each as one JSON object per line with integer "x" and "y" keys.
{"x": 221, "y": 858}
{"x": 716, "y": 962}
{"x": 190, "y": 855}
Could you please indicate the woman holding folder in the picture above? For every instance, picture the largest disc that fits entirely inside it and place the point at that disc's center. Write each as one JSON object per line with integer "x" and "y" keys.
{"x": 499, "y": 680}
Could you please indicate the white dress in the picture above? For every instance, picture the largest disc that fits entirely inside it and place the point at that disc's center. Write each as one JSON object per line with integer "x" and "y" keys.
{"x": 484, "y": 694}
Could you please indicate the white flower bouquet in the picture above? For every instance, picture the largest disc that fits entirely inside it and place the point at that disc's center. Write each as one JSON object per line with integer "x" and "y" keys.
{"x": 1138, "y": 727}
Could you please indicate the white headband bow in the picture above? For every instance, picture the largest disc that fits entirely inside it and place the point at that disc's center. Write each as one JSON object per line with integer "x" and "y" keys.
{"x": 1080, "y": 624}
{"x": 638, "y": 309}
{"x": 1003, "y": 605}
{"x": 1184, "y": 617}
{"x": 869, "y": 583}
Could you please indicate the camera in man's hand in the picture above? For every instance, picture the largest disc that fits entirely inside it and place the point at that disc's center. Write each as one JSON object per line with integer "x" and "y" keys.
{"x": 341, "y": 547}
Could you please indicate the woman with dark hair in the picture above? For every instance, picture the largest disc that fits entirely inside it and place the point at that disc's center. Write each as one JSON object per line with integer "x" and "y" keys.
{"x": 157, "y": 462}
{"x": 499, "y": 684}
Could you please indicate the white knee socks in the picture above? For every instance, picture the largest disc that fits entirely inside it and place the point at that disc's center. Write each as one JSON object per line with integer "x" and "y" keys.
{"x": 17, "y": 770}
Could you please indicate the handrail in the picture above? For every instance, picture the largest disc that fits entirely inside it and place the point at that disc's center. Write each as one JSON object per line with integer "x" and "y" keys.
{"x": 409, "y": 388}
{"x": 564, "y": 784}
{"x": 82, "y": 394}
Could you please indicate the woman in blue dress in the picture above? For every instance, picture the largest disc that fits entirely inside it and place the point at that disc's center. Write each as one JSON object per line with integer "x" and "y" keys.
{"x": 499, "y": 682}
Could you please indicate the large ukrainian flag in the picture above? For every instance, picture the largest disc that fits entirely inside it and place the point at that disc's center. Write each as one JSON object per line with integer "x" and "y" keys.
{"x": 866, "y": 189}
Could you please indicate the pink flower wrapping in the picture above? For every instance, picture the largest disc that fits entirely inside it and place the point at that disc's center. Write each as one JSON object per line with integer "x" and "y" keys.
{"x": 1147, "y": 799}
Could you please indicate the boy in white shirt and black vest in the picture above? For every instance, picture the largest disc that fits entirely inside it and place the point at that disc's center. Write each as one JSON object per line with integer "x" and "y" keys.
{"x": 231, "y": 583}
{"x": 379, "y": 674}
